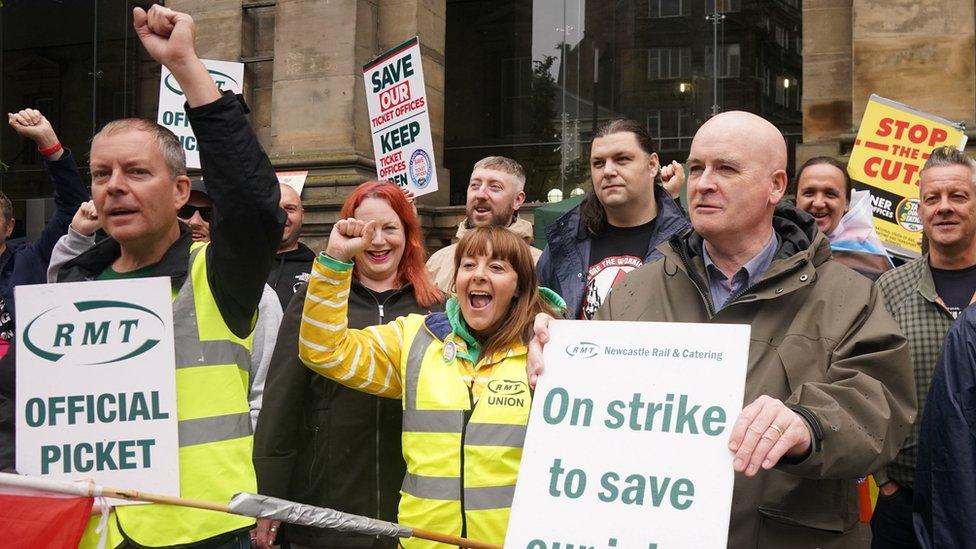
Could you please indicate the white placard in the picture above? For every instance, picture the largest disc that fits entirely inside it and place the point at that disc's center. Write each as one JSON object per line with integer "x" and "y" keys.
{"x": 398, "y": 119}
{"x": 627, "y": 445}
{"x": 96, "y": 383}
{"x": 228, "y": 75}
{"x": 295, "y": 180}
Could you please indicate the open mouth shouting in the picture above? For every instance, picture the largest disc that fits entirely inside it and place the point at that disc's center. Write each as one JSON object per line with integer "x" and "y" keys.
{"x": 479, "y": 300}
{"x": 481, "y": 212}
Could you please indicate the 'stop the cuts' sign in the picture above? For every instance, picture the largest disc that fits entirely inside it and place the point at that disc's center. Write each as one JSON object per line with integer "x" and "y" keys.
{"x": 96, "y": 383}
{"x": 627, "y": 445}
{"x": 398, "y": 119}
{"x": 892, "y": 145}
{"x": 226, "y": 74}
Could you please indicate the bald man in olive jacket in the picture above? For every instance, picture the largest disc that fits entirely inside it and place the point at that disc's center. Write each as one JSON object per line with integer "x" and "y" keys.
{"x": 830, "y": 391}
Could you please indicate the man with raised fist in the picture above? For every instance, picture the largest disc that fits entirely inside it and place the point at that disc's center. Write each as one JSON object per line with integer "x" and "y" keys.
{"x": 26, "y": 263}
{"x": 139, "y": 183}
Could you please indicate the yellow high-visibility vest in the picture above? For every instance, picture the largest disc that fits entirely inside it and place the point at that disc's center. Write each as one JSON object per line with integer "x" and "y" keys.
{"x": 215, "y": 441}
{"x": 462, "y": 456}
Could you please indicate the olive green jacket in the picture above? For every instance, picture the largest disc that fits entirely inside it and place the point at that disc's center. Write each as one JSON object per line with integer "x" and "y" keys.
{"x": 823, "y": 343}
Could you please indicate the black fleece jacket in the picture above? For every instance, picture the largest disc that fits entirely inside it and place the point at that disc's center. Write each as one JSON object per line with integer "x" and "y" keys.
{"x": 321, "y": 443}
{"x": 289, "y": 271}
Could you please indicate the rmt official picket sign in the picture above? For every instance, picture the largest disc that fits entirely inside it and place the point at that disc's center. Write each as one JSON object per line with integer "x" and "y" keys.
{"x": 96, "y": 383}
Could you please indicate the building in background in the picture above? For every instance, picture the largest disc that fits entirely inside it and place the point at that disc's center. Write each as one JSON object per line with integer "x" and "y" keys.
{"x": 532, "y": 79}
{"x": 528, "y": 79}
{"x": 920, "y": 53}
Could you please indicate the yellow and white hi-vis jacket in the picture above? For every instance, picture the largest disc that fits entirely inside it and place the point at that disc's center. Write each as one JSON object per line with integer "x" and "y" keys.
{"x": 212, "y": 370}
{"x": 464, "y": 420}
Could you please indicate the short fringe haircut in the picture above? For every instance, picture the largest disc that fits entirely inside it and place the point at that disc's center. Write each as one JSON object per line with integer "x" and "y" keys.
{"x": 501, "y": 243}
{"x": 503, "y": 164}
{"x": 169, "y": 144}
{"x": 942, "y": 157}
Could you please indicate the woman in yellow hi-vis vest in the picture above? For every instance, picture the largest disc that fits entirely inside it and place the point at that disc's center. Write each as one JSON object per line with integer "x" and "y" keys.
{"x": 460, "y": 374}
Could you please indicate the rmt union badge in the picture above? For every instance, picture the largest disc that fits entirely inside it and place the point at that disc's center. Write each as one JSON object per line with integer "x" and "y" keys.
{"x": 450, "y": 351}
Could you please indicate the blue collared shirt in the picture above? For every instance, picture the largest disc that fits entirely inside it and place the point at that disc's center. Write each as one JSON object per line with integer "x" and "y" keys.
{"x": 722, "y": 288}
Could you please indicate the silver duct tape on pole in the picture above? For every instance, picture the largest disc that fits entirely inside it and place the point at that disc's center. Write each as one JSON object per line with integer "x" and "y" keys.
{"x": 258, "y": 506}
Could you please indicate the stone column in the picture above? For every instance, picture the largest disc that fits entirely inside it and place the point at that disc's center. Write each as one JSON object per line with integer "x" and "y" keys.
{"x": 218, "y": 25}
{"x": 826, "y": 76}
{"x": 919, "y": 52}
{"x": 318, "y": 103}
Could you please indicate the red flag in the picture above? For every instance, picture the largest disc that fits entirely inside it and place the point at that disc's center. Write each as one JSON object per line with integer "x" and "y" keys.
{"x": 48, "y": 521}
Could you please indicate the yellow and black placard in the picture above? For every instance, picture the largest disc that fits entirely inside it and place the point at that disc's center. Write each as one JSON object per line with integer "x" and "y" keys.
{"x": 892, "y": 145}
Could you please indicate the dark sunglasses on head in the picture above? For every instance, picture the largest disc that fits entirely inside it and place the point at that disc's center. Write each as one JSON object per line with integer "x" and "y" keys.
{"x": 187, "y": 211}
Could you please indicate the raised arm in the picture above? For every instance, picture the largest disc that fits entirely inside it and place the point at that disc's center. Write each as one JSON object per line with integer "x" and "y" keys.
{"x": 247, "y": 224}
{"x": 69, "y": 191}
{"x": 367, "y": 360}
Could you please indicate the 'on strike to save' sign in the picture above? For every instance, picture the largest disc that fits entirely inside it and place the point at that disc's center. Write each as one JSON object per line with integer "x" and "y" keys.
{"x": 658, "y": 401}
{"x": 96, "y": 383}
{"x": 398, "y": 119}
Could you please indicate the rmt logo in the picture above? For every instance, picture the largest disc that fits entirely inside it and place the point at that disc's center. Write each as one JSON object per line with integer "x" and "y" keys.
{"x": 583, "y": 349}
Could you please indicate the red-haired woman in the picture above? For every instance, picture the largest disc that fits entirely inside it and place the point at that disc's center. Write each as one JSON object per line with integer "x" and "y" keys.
{"x": 460, "y": 374}
{"x": 321, "y": 443}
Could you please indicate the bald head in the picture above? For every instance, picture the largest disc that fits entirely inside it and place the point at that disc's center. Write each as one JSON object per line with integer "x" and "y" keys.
{"x": 755, "y": 136}
{"x": 736, "y": 176}
{"x": 291, "y": 202}
{"x": 291, "y": 193}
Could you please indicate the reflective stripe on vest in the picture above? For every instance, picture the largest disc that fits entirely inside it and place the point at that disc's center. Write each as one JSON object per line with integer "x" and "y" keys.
{"x": 212, "y": 366}
{"x": 432, "y": 489}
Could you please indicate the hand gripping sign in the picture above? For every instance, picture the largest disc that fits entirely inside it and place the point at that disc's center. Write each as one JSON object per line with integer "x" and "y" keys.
{"x": 398, "y": 119}
{"x": 892, "y": 145}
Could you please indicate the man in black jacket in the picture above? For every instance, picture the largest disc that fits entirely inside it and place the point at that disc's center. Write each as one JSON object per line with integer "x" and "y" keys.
{"x": 139, "y": 182}
{"x": 293, "y": 261}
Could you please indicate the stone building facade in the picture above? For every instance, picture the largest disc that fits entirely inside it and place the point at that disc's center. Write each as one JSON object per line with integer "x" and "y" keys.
{"x": 918, "y": 52}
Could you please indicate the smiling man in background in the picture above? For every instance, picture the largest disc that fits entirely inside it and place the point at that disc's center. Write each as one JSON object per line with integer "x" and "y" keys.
{"x": 496, "y": 191}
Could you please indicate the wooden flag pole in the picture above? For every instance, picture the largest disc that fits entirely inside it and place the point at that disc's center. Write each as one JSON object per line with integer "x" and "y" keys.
{"x": 93, "y": 490}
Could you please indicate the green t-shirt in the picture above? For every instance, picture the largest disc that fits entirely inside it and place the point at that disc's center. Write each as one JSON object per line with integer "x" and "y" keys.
{"x": 111, "y": 274}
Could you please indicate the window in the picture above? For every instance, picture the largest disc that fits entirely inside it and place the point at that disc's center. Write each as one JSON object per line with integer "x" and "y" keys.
{"x": 668, "y": 8}
{"x": 723, "y": 6}
{"x": 729, "y": 61}
{"x": 516, "y": 92}
{"x": 672, "y": 128}
{"x": 782, "y": 37}
{"x": 665, "y": 63}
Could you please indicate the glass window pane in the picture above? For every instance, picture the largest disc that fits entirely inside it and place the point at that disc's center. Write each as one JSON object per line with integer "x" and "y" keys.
{"x": 670, "y": 8}
{"x": 533, "y": 79}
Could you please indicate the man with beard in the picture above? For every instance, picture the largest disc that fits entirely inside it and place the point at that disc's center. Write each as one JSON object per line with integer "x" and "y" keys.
{"x": 495, "y": 194}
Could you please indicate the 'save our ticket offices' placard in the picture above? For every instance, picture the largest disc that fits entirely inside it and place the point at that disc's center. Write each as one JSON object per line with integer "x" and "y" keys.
{"x": 96, "y": 383}
{"x": 398, "y": 119}
{"x": 627, "y": 445}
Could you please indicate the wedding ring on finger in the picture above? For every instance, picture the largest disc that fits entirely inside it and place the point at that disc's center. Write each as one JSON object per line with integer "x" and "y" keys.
{"x": 776, "y": 428}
